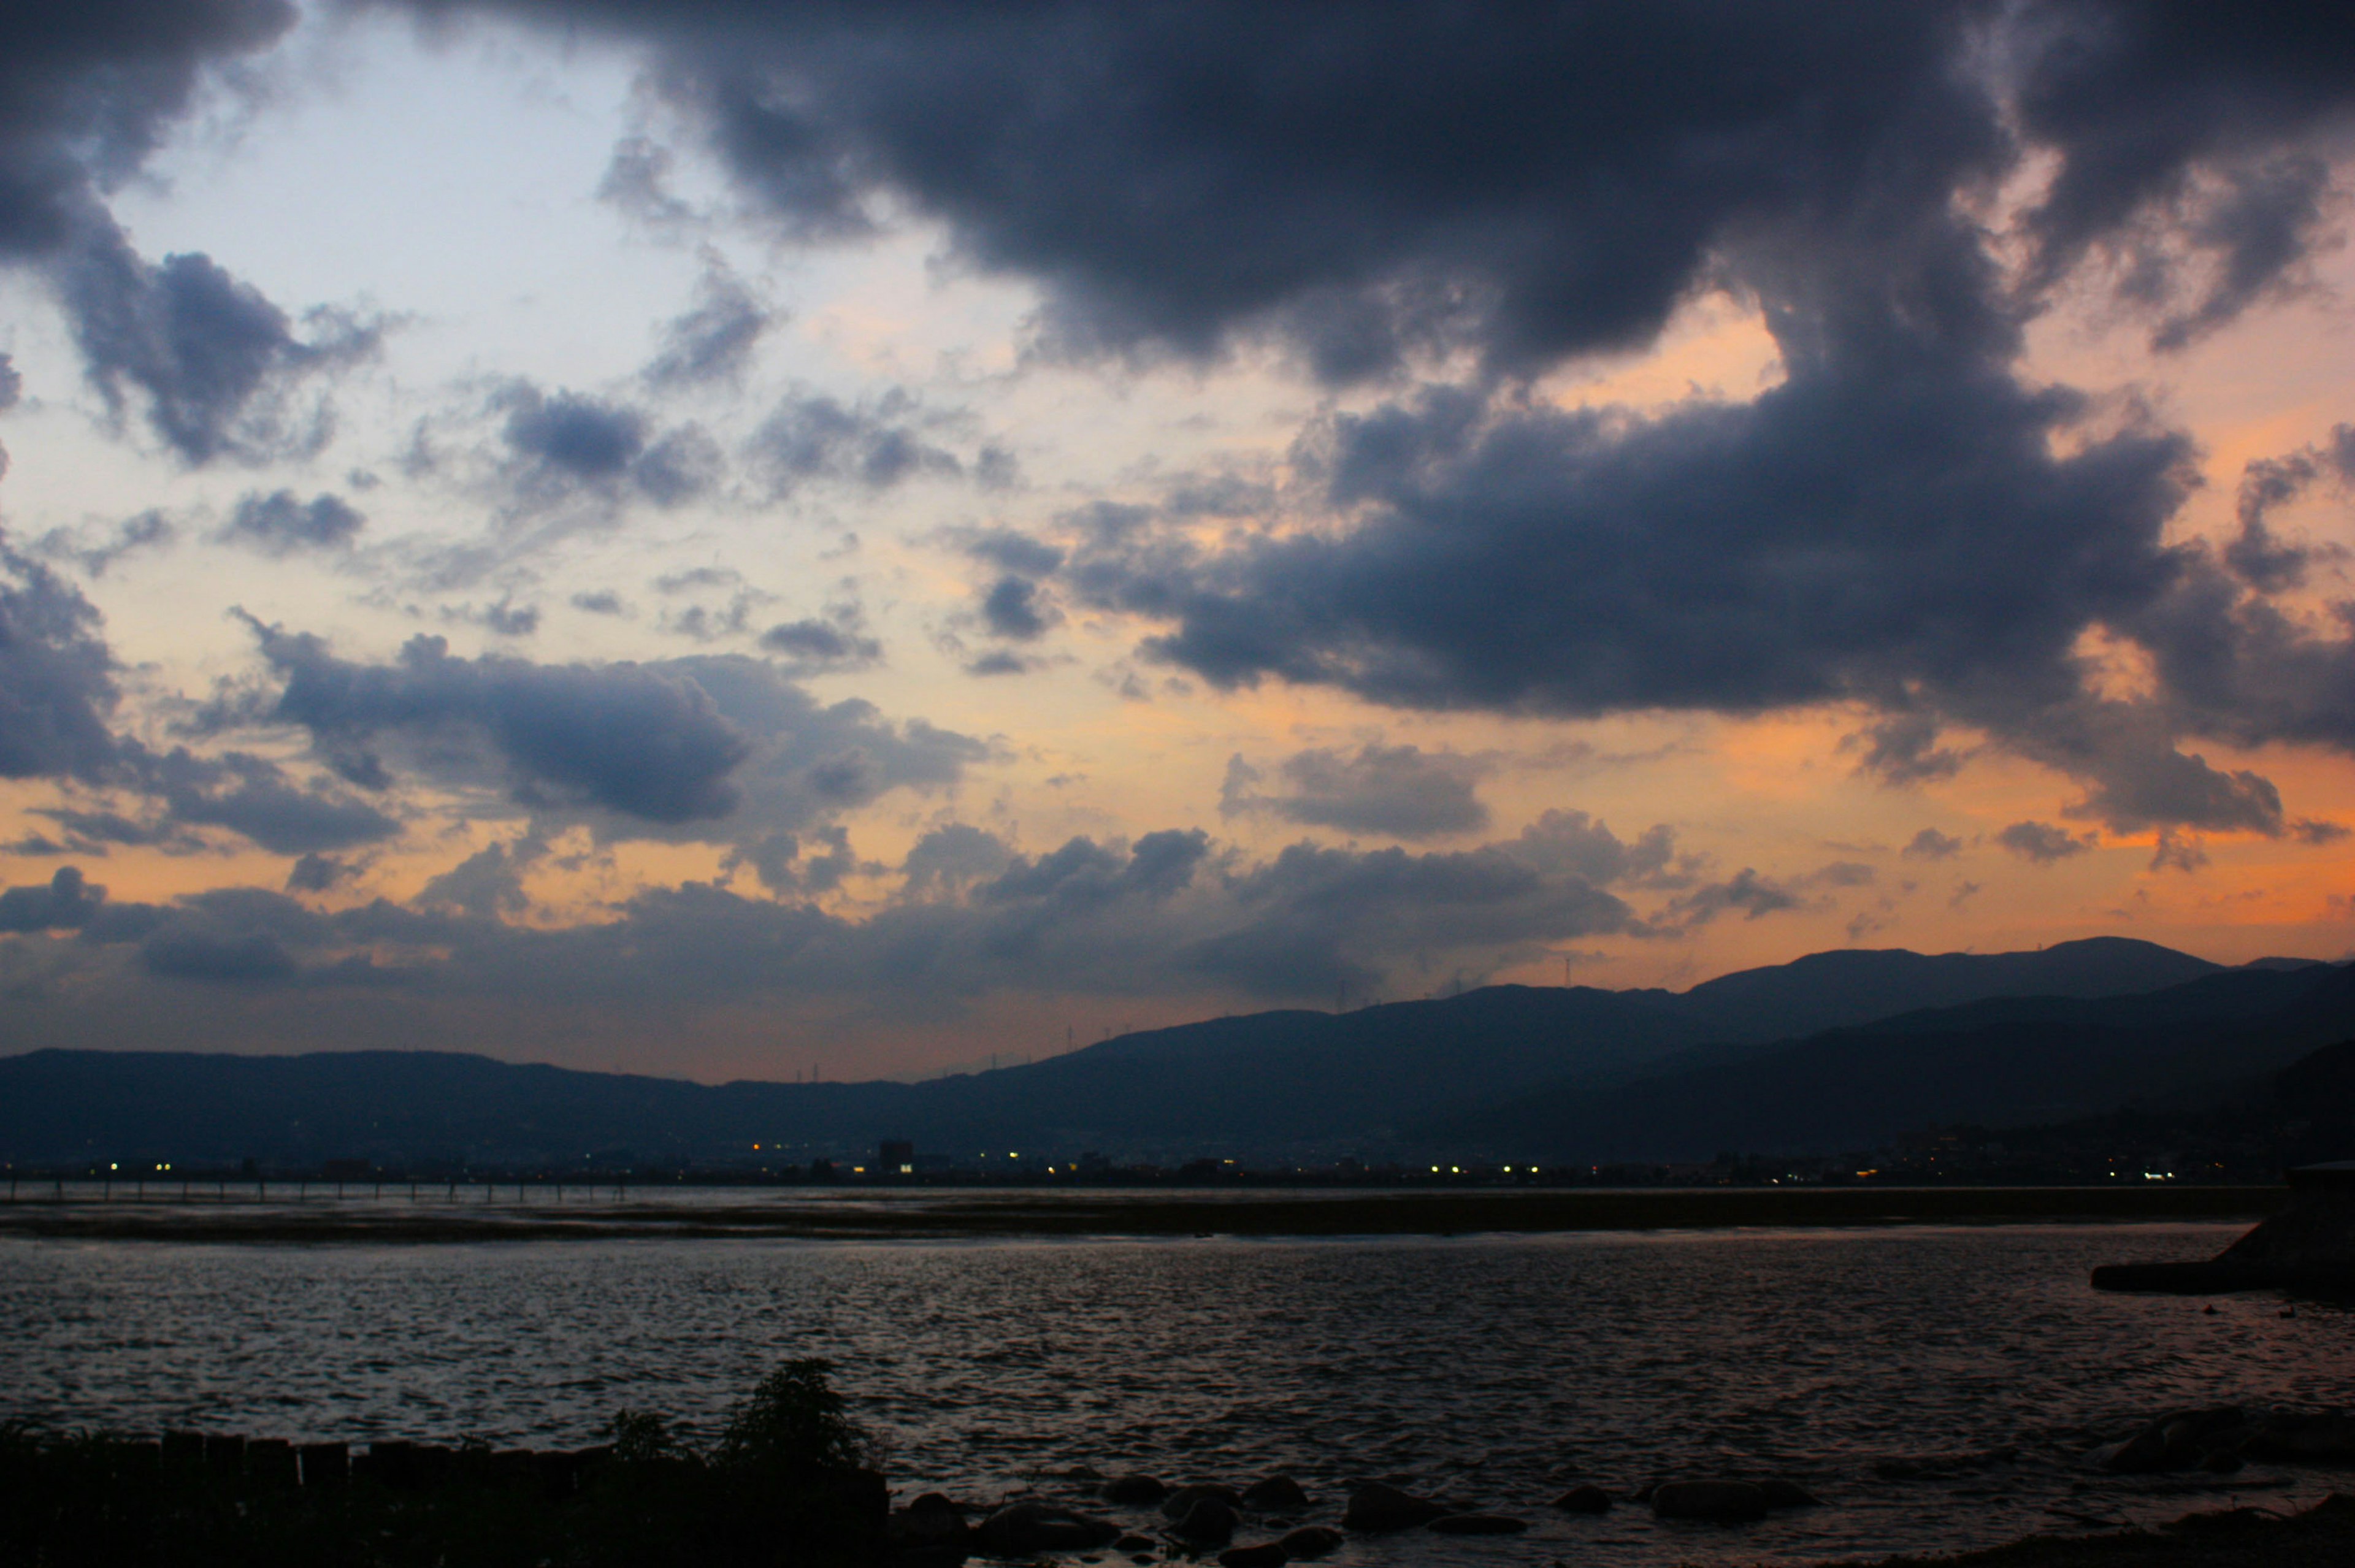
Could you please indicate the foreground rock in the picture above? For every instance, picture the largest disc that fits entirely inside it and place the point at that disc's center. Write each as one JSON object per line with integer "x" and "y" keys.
{"x": 1024, "y": 1528}
{"x": 1375, "y": 1508}
{"x": 1584, "y": 1499}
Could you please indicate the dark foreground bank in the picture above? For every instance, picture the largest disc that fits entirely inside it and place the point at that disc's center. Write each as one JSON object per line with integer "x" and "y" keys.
{"x": 920, "y": 1216}
{"x": 2320, "y": 1537}
{"x": 788, "y": 1485}
{"x": 793, "y": 1482}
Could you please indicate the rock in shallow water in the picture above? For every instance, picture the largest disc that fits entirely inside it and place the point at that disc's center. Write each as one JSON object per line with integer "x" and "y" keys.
{"x": 1177, "y": 1504}
{"x": 1260, "y": 1554}
{"x": 1210, "y": 1522}
{"x": 1134, "y": 1491}
{"x": 1717, "y": 1503}
{"x": 1584, "y": 1499}
{"x": 1311, "y": 1541}
{"x": 1375, "y": 1507}
{"x": 1020, "y": 1528}
{"x": 1275, "y": 1494}
{"x": 928, "y": 1533}
{"x": 1477, "y": 1524}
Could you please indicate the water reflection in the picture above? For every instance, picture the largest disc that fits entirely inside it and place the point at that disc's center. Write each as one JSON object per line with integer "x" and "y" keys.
{"x": 1497, "y": 1371}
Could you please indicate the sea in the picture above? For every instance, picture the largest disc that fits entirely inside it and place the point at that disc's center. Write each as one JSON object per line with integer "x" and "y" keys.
{"x": 1937, "y": 1388}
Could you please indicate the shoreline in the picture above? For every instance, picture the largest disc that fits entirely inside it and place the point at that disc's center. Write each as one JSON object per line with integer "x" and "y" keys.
{"x": 919, "y": 1216}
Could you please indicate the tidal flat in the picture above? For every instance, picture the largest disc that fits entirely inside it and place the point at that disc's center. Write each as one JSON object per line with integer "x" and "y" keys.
{"x": 435, "y": 1212}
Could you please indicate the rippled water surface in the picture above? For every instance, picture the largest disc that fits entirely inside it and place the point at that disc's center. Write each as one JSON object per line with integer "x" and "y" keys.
{"x": 1492, "y": 1370}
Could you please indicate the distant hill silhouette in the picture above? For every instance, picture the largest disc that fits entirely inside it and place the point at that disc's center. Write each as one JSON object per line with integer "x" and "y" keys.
{"x": 1506, "y": 1062}
{"x": 1998, "y": 1062}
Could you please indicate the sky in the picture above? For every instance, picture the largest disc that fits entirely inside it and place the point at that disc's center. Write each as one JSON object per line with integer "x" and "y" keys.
{"x": 753, "y": 540}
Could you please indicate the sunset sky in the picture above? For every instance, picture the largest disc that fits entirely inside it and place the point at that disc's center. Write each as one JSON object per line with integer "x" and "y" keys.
{"x": 741, "y": 541}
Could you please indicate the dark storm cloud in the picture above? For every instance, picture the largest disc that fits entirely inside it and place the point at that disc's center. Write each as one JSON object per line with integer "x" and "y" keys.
{"x": 280, "y": 523}
{"x": 88, "y": 91}
{"x": 2041, "y": 842}
{"x": 714, "y": 341}
{"x": 57, "y": 677}
{"x": 1404, "y": 176}
{"x": 810, "y": 437}
{"x": 1400, "y": 792}
{"x": 67, "y": 903}
{"x": 1903, "y": 523}
{"x": 1408, "y": 175}
{"x": 1913, "y": 527}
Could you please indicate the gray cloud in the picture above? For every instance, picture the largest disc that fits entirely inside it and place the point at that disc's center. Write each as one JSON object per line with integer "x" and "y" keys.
{"x": 96, "y": 552}
{"x": 254, "y": 798}
{"x": 66, "y": 903}
{"x": 90, "y": 94}
{"x": 1932, "y": 845}
{"x": 1400, "y": 792}
{"x": 714, "y": 341}
{"x": 254, "y": 958}
{"x": 811, "y": 644}
{"x": 722, "y": 750}
{"x": 2041, "y": 842}
{"x": 318, "y": 873}
{"x": 57, "y": 677}
{"x": 809, "y": 437}
{"x": 1011, "y": 607}
{"x": 1746, "y": 891}
{"x": 566, "y": 445}
{"x": 2264, "y": 561}
{"x": 278, "y": 524}
{"x": 1012, "y": 552}
{"x": 632, "y": 739}
{"x": 216, "y": 361}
